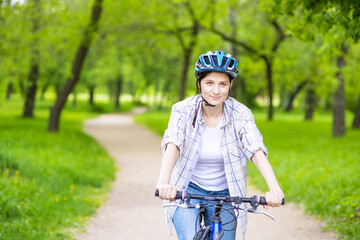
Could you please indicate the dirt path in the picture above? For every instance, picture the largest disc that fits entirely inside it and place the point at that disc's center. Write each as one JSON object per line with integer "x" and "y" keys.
{"x": 132, "y": 212}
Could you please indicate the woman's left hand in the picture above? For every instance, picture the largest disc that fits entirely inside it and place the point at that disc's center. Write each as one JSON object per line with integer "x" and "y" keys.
{"x": 274, "y": 198}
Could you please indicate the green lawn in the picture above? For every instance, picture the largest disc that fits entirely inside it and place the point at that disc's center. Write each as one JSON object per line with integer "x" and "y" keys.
{"x": 50, "y": 182}
{"x": 313, "y": 168}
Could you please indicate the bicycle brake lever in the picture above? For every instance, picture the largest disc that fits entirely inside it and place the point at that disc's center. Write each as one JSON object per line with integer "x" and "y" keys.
{"x": 262, "y": 212}
{"x": 182, "y": 205}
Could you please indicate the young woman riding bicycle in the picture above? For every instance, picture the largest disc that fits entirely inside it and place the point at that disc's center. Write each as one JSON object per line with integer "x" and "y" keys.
{"x": 206, "y": 146}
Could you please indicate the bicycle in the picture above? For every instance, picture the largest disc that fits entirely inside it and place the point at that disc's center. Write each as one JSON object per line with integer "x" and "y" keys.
{"x": 214, "y": 231}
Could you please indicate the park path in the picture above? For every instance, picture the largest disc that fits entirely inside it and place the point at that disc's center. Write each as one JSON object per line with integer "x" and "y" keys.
{"x": 132, "y": 213}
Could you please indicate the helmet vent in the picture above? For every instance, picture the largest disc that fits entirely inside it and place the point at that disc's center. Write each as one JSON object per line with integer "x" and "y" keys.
{"x": 224, "y": 60}
{"x": 215, "y": 60}
{"x": 207, "y": 60}
{"x": 231, "y": 64}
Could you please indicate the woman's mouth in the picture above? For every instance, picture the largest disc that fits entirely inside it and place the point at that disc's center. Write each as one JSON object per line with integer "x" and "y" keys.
{"x": 214, "y": 98}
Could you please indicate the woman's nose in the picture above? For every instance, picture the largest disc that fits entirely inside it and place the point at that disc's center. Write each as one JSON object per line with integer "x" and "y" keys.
{"x": 216, "y": 89}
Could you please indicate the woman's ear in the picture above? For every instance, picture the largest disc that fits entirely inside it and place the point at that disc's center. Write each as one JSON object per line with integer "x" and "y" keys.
{"x": 231, "y": 82}
{"x": 198, "y": 85}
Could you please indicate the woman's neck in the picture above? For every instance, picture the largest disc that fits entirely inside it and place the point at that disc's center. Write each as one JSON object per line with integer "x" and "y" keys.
{"x": 212, "y": 115}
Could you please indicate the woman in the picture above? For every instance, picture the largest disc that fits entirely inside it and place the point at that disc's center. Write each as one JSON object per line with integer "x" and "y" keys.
{"x": 206, "y": 146}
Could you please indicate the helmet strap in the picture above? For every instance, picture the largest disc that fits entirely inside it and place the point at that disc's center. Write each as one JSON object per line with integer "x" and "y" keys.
{"x": 206, "y": 103}
{"x": 198, "y": 107}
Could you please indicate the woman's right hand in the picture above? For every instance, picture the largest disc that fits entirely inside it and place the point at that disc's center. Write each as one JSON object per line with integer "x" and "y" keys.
{"x": 166, "y": 192}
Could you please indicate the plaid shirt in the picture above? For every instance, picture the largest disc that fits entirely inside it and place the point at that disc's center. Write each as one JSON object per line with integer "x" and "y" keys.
{"x": 240, "y": 139}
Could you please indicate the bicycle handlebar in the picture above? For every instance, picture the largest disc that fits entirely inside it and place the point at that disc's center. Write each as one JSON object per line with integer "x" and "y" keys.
{"x": 179, "y": 194}
{"x": 255, "y": 199}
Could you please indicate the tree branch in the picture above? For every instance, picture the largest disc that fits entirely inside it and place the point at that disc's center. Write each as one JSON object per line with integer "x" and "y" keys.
{"x": 281, "y": 35}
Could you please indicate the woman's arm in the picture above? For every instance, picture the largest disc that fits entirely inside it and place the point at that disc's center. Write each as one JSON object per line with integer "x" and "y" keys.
{"x": 275, "y": 195}
{"x": 170, "y": 156}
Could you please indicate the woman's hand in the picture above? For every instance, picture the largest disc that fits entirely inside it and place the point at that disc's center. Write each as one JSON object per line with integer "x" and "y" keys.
{"x": 167, "y": 192}
{"x": 274, "y": 198}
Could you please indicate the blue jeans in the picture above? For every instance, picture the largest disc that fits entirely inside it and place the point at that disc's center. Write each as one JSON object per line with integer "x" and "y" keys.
{"x": 186, "y": 220}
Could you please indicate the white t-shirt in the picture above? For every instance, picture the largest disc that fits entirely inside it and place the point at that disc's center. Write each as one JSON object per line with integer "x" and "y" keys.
{"x": 209, "y": 172}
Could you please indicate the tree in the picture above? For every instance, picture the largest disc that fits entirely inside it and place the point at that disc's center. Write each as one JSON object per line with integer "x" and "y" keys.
{"x": 55, "y": 111}
{"x": 267, "y": 55}
{"x": 185, "y": 34}
{"x": 336, "y": 19}
{"x": 32, "y": 84}
{"x": 13, "y": 35}
{"x": 352, "y": 76}
{"x": 339, "y": 96}
{"x": 293, "y": 70}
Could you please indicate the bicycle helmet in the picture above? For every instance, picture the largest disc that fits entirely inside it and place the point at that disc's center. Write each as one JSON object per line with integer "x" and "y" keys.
{"x": 216, "y": 61}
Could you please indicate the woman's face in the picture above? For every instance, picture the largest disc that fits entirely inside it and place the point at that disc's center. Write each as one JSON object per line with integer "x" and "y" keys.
{"x": 215, "y": 87}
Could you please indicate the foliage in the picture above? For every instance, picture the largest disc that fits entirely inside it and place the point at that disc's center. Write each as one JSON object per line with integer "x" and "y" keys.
{"x": 156, "y": 121}
{"x": 137, "y": 42}
{"x": 352, "y": 77}
{"x": 322, "y": 14}
{"x": 313, "y": 169}
{"x": 49, "y": 183}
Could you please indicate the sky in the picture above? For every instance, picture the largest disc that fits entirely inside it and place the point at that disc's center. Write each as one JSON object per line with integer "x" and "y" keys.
{"x": 15, "y": 1}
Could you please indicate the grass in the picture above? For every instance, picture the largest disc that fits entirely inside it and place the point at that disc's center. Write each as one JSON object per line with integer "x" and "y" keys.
{"x": 313, "y": 168}
{"x": 49, "y": 182}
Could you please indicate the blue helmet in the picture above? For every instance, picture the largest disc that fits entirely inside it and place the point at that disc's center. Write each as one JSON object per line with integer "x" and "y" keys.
{"x": 216, "y": 61}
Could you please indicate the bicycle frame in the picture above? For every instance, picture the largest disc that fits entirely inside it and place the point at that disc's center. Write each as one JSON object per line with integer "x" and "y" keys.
{"x": 216, "y": 231}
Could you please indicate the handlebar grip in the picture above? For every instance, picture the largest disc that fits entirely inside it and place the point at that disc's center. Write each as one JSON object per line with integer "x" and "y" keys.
{"x": 263, "y": 201}
{"x": 178, "y": 194}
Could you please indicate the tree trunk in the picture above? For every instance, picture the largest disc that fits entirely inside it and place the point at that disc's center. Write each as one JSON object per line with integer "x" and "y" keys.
{"x": 239, "y": 84}
{"x": 74, "y": 100}
{"x": 339, "y": 97}
{"x": 269, "y": 76}
{"x": 186, "y": 62}
{"x": 118, "y": 92}
{"x": 310, "y": 104}
{"x": 187, "y": 50}
{"x": 31, "y": 88}
{"x": 30, "y": 95}
{"x": 81, "y": 53}
{"x": 298, "y": 88}
{"x": 91, "y": 95}
{"x": 356, "y": 121}
{"x": 9, "y": 90}
{"x": 156, "y": 92}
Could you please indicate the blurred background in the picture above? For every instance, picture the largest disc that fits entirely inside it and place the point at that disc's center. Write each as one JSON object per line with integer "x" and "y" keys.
{"x": 65, "y": 61}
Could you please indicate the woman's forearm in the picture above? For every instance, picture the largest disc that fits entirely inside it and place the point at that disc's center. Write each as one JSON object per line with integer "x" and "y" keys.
{"x": 264, "y": 167}
{"x": 166, "y": 191}
{"x": 170, "y": 156}
{"x": 275, "y": 195}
